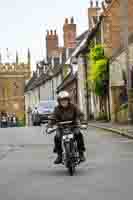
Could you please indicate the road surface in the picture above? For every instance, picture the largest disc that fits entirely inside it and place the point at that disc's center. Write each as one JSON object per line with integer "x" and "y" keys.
{"x": 27, "y": 171}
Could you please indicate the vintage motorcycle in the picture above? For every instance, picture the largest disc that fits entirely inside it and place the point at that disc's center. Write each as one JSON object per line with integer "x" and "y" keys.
{"x": 70, "y": 157}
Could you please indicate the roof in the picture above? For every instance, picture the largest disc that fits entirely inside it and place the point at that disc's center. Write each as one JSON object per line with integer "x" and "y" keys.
{"x": 57, "y": 69}
{"x": 88, "y": 37}
{"x": 37, "y": 81}
{"x": 81, "y": 37}
{"x": 121, "y": 49}
{"x": 41, "y": 79}
{"x": 30, "y": 83}
{"x": 78, "y": 47}
{"x": 71, "y": 77}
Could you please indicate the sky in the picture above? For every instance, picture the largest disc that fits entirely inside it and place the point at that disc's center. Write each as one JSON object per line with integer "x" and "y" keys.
{"x": 23, "y": 24}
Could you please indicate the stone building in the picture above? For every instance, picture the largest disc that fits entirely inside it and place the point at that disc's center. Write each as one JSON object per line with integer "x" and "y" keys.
{"x": 112, "y": 25}
{"x": 13, "y": 77}
{"x": 113, "y": 28}
{"x": 118, "y": 82}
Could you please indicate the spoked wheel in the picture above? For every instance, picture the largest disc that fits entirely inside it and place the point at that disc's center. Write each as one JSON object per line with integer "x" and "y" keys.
{"x": 70, "y": 161}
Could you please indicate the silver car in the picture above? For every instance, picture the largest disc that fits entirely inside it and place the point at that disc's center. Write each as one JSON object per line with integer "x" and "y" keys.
{"x": 43, "y": 111}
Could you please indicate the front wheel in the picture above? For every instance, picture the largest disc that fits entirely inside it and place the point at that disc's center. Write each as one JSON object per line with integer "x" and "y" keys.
{"x": 69, "y": 159}
{"x": 71, "y": 169}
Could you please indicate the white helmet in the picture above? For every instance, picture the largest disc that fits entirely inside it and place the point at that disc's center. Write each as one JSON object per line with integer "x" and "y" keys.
{"x": 63, "y": 95}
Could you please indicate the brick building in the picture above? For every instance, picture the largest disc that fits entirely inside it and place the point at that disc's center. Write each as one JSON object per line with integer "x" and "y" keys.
{"x": 113, "y": 28}
{"x": 112, "y": 25}
{"x": 52, "y": 41}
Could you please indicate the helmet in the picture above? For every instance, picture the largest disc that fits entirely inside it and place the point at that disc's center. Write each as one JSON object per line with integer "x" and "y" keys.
{"x": 63, "y": 95}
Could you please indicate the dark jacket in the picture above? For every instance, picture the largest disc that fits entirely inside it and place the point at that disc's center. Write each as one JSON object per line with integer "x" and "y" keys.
{"x": 71, "y": 113}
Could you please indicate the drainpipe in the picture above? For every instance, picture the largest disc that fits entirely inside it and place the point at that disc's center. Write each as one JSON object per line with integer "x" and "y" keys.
{"x": 87, "y": 90}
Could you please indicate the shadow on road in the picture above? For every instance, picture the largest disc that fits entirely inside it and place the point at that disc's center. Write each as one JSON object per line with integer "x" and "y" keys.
{"x": 61, "y": 171}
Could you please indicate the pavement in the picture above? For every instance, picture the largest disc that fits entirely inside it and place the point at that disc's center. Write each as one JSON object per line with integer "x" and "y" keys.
{"x": 122, "y": 129}
{"x": 27, "y": 171}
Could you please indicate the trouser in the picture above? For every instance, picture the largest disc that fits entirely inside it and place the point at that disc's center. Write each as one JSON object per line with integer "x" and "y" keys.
{"x": 78, "y": 136}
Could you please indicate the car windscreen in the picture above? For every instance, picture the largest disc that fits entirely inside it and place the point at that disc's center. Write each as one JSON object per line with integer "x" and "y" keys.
{"x": 47, "y": 105}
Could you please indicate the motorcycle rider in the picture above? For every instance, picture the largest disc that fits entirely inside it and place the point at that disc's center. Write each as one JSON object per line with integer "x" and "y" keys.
{"x": 66, "y": 111}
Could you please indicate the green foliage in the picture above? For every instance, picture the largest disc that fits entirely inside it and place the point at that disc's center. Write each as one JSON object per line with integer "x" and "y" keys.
{"x": 98, "y": 71}
{"x": 97, "y": 53}
{"x": 21, "y": 123}
{"x": 98, "y": 88}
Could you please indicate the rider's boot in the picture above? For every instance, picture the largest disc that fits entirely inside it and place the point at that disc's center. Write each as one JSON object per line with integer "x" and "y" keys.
{"x": 58, "y": 159}
{"x": 82, "y": 156}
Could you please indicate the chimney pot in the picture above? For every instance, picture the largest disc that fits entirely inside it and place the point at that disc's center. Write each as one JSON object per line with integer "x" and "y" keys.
{"x": 66, "y": 21}
{"x": 72, "y": 20}
{"x": 47, "y": 32}
{"x": 91, "y": 4}
{"x": 97, "y": 5}
{"x": 103, "y": 6}
{"x": 54, "y": 32}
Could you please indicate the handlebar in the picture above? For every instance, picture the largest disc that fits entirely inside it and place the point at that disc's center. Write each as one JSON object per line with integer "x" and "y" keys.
{"x": 82, "y": 126}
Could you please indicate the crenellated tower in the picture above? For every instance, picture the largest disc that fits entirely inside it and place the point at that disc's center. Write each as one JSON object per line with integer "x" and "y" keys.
{"x": 13, "y": 77}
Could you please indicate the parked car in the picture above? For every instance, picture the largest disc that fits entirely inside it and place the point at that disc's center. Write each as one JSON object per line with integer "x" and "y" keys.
{"x": 42, "y": 111}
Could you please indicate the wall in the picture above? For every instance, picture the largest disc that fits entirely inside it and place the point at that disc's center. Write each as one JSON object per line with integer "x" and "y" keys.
{"x": 56, "y": 82}
{"x": 112, "y": 25}
{"x": 31, "y": 100}
{"x": 12, "y": 95}
{"x": 117, "y": 66}
{"x": 81, "y": 85}
{"x": 46, "y": 92}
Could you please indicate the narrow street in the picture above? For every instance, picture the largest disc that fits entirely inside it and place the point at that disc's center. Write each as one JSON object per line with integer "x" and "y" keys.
{"x": 27, "y": 170}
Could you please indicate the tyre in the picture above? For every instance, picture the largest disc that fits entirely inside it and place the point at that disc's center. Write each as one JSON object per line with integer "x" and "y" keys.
{"x": 70, "y": 162}
{"x": 71, "y": 169}
{"x": 38, "y": 123}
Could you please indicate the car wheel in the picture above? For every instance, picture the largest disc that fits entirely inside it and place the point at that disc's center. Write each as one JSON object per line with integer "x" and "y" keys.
{"x": 34, "y": 123}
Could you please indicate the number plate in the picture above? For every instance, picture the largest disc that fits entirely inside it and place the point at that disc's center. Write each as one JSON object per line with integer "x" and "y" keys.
{"x": 65, "y": 137}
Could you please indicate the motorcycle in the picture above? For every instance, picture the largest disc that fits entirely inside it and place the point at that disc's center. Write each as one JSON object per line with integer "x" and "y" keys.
{"x": 70, "y": 156}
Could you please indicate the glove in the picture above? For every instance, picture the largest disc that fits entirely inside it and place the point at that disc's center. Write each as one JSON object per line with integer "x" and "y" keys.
{"x": 49, "y": 128}
{"x": 78, "y": 122}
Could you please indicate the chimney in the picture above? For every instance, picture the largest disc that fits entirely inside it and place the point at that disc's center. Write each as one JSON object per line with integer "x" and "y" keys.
{"x": 66, "y": 21}
{"x": 69, "y": 30}
{"x": 91, "y": 3}
{"x": 51, "y": 32}
{"x": 97, "y": 5}
{"x": 72, "y": 20}
{"x": 93, "y": 14}
{"x": 52, "y": 43}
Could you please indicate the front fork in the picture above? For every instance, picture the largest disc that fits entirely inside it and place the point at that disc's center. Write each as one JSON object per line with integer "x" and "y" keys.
{"x": 70, "y": 153}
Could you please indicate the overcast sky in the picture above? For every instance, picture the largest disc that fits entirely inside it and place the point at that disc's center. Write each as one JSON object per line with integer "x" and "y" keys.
{"x": 23, "y": 23}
